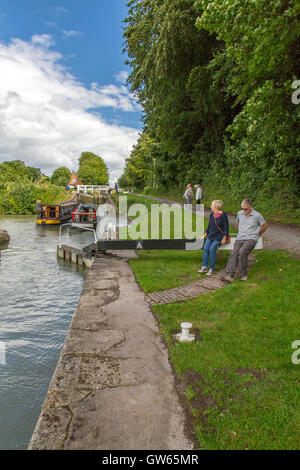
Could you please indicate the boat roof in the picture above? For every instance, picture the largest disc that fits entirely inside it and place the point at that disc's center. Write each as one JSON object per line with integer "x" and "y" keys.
{"x": 88, "y": 205}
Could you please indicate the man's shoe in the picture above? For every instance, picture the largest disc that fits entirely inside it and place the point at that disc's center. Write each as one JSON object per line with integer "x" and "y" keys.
{"x": 227, "y": 278}
{"x": 203, "y": 270}
{"x": 210, "y": 272}
{"x": 244, "y": 278}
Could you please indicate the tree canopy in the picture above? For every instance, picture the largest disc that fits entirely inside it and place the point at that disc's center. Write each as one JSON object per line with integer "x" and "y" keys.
{"x": 61, "y": 176}
{"x": 92, "y": 169}
{"x": 215, "y": 82}
{"x": 11, "y": 170}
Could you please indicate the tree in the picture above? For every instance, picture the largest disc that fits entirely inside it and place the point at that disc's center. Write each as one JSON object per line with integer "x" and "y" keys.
{"x": 12, "y": 170}
{"x": 34, "y": 174}
{"x": 169, "y": 59}
{"x": 92, "y": 169}
{"x": 264, "y": 135}
{"x": 215, "y": 84}
{"x": 61, "y": 176}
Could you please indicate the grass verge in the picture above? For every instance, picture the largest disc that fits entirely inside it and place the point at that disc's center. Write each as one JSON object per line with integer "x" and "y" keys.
{"x": 159, "y": 270}
{"x": 146, "y": 228}
{"x": 238, "y": 380}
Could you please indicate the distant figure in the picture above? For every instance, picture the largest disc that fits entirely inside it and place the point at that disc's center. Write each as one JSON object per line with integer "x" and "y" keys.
{"x": 116, "y": 187}
{"x": 251, "y": 226}
{"x": 38, "y": 205}
{"x": 215, "y": 234}
{"x": 198, "y": 193}
{"x": 188, "y": 195}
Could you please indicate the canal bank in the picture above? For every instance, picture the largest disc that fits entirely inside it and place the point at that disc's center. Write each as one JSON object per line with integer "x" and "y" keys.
{"x": 113, "y": 387}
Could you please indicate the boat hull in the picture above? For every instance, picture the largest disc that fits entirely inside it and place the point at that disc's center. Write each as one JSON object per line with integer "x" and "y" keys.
{"x": 50, "y": 222}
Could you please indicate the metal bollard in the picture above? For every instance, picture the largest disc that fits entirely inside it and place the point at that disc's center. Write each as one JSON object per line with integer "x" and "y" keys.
{"x": 185, "y": 335}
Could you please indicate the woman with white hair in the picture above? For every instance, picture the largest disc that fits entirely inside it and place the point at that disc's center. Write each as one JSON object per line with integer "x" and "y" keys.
{"x": 188, "y": 195}
{"x": 215, "y": 234}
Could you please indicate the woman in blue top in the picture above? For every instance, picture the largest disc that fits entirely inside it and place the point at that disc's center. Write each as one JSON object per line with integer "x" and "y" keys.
{"x": 215, "y": 235}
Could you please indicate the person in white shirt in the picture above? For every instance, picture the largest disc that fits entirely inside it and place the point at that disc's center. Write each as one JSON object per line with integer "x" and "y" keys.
{"x": 198, "y": 193}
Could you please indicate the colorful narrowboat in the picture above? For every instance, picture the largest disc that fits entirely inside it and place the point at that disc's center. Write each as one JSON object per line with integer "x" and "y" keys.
{"x": 55, "y": 214}
{"x": 84, "y": 216}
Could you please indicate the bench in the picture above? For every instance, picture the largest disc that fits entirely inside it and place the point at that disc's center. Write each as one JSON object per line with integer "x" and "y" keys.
{"x": 229, "y": 246}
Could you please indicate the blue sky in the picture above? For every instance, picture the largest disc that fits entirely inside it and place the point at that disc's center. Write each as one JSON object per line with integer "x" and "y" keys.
{"x": 62, "y": 84}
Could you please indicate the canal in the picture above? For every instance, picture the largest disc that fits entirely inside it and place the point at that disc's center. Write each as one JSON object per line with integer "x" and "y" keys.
{"x": 38, "y": 296}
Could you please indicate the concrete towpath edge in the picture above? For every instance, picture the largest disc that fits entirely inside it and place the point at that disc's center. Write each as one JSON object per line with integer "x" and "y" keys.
{"x": 113, "y": 386}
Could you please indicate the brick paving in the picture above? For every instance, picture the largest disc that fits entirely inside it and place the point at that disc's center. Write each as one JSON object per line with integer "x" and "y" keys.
{"x": 203, "y": 286}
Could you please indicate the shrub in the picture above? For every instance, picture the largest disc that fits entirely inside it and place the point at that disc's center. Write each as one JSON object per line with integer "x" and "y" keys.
{"x": 20, "y": 197}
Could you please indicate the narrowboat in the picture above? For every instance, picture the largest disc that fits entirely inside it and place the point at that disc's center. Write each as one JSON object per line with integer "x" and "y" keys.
{"x": 55, "y": 214}
{"x": 85, "y": 216}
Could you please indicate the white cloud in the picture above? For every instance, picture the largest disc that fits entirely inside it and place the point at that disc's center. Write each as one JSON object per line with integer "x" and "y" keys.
{"x": 51, "y": 24}
{"x": 46, "y": 115}
{"x": 121, "y": 76}
{"x": 71, "y": 34}
{"x": 61, "y": 10}
{"x": 43, "y": 40}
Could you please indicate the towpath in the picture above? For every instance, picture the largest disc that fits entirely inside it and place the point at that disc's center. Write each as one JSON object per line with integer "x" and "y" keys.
{"x": 113, "y": 386}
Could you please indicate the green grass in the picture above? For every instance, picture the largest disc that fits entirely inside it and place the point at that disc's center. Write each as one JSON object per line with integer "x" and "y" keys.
{"x": 237, "y": 379}
{"x": 148, "y": 224}
{"x": 159, "y": 270}
{"x": 241, "y": 386}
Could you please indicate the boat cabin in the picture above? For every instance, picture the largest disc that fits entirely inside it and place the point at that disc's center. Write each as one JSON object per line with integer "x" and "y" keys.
{"x": 55, "y": 214}
{"x": 85, "y": 215}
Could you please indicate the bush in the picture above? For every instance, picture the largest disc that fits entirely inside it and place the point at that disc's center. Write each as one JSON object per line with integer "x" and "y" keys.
{"x": 148, "y": 190}
{"x": 20, "y": 197}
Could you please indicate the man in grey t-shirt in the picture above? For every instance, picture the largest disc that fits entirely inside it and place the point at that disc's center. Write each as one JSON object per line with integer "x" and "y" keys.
{"x": 251, "y": 226}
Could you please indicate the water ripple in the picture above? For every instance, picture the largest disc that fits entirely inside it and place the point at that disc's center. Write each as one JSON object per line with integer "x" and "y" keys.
{"x": 38, "y": 298}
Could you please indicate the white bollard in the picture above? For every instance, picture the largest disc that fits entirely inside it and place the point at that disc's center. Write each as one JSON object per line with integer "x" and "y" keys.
{"x": 185, "y": 335}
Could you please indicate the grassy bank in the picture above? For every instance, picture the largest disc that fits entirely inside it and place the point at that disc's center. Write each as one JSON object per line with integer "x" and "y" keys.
{"x": 181, "y": 224}
{"x": 237, "y": 380}
{"x": 190, "y": 223}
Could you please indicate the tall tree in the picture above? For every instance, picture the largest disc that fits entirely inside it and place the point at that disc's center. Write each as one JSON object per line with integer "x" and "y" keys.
{"x": 92, "y": 169}
{"x": 262, "y": 42}
{"x": 11, "y": 170}
{"x": 214, "y": 78}
{"x": 185, "y": 115}
{"x": 61, "y": 176}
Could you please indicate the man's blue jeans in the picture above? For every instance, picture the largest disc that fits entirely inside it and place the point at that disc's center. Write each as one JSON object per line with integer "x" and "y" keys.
{"x": 209, "y": 253}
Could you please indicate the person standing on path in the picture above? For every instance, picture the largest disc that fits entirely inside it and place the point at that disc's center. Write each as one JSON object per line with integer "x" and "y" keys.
{"x": 198, "y": 193}
{"x": 251, "y": 226}
{"x": 38, "y": 205}
{"x": 216, "y": 234}
{"x": 188, "y": 195}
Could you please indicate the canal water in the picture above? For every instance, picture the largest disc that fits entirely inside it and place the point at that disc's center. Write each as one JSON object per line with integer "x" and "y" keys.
{"x": 38, "y": 296}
